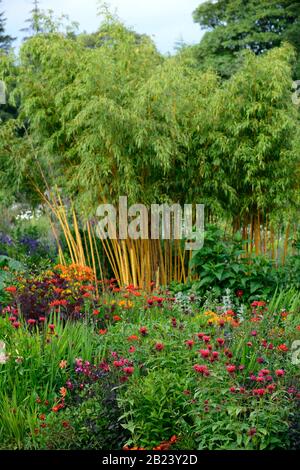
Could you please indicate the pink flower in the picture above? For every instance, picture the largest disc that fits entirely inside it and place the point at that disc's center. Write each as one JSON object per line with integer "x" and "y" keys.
{"x": 231, "y": 369}
{"x": 31, "y": 321}
{"x": 190, "y": 343}
{"x": 204, "y": 353}
{"x": 220, "y": 341}
{"x": 132, "y": 349}
{"x": 260, "y": 379}
{"x": 254, "y": 333}
{"x": 259, "y": 392}
{"x": 279, "y": 372}
{"x": 16, "y": 324}
{"x": 206, "y": 339}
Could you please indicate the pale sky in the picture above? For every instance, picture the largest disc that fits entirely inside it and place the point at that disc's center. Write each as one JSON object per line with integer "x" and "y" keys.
{"x": 167, "y": 21}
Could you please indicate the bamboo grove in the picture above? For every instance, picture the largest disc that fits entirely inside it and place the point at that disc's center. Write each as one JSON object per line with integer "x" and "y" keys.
{"x": 109, "y": 117}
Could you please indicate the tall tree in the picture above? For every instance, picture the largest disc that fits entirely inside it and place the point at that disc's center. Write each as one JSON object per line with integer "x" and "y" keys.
{"x": 236, "y": 25}
{"x": 34, "y": 22}
{"x": 5, "y": 39}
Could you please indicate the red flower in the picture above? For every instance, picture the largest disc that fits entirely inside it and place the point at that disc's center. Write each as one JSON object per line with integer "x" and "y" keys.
{"x": 11, "y": 289}
{"x": 260, "y": 360}
{"x": 51, "y": 327}
{"x": 258, "y": 303}
{"x": 65, "y": 424}
{"x": 57, "y": 303}
{"x": 232, "y": 389}
{"x": 159, "y": 346}
{"x": 190, "y": 343}
{"x": 117, "y": 318}
{"x": 252, "y": 432}
{"x": 231, "y": 369}
{"x": 206, "y": 339}
{"x": 220, "y": 341}
{"x": 201, "y": 370}
{"x": 282, "y": 347}
{"x": 128, "y": 370}
{"x": 102, "y": 332}
{"x": 259, "y": 392}
{"x": 230, "y": 312}
{"x": 31, "y": 321}
{"x": 264, "y": 372}
{"x": 118, "y": 363}
{"x": 42, "y": 417}
{"x": 42, "y": 319}
{"x": 249, "y": 344}
{"x": 279, "y": 372}
{"x": 143, "y": 330}
{"x": 271, "y": 388}
{"x": 204, "y": 353}
{"x": 96, "y": 312}
{"x": 239, "y": 293}
{"x": 215, "y": 355}
{"x": 12, "y": 319}
{"x": 260, "y": 379}
{"x": 132, "y": 349}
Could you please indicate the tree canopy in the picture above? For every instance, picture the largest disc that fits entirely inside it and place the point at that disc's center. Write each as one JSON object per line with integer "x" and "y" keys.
{"x": 237, "y": 25}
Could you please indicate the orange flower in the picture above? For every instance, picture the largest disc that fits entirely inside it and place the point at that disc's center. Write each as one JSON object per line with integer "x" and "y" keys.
{"x": 133, "y": 338}
{"x": 63, "y": 364}
{"x": 63, "y": 391}
{"x": 117, "y": 318}
{"x": 102, "y": 332}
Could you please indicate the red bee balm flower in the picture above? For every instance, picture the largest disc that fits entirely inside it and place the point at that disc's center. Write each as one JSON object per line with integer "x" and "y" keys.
{"x": 190, "y": 343}
{"x": 204, "y": 353}
{"x": 143, "y": 330}
{"x": 259, "y": 392}
{"x": 220, "y": 341}
{"x": 282, "y": 347}
{"x": 231, "y": 369}
{"x": 279, "y": 372}
{"x": 201, "y": 370}
{"x": 31, "y": 321}
{"x": 128, "y": 370}
{"x": 159, "y": 346}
